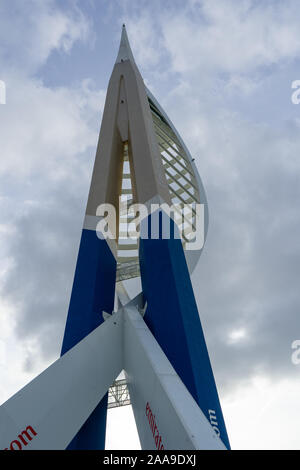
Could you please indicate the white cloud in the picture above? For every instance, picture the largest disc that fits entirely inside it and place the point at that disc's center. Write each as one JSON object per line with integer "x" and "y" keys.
{"x": 43, "y": 129}
{"x": 237, "y": 335}
{"x": 38, "y": 29}
{"x": 261, "y": 414}
{"x": 232, "y": 37}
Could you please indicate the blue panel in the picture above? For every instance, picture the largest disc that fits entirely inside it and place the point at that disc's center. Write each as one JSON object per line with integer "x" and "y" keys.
{"x": 93, "y": 291}
{"x": 172, "y": 316}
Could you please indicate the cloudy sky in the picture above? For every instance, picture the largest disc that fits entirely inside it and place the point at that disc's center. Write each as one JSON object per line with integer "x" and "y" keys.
{"x": 223, "y": 71}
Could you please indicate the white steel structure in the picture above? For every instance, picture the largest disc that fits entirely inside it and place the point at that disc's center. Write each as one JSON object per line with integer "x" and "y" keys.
{"x": 156, "y": 337}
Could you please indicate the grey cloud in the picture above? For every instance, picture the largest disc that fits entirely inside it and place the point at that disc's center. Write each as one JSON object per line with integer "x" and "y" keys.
{"x": 248, "y": 275}
{"x": 44, "y": 251}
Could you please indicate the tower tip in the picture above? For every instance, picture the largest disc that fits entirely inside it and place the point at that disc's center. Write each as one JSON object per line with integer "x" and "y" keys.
{"x": 125, "y": 52}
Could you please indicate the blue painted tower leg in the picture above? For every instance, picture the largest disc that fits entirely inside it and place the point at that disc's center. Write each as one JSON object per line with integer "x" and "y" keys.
{"x": 93, "y": 291}
{"x": 173, "y": 318}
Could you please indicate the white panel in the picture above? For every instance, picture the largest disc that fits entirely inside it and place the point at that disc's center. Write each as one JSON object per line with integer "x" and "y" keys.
{"x": 178, "y": 422}
{"x": 57, "y": 402}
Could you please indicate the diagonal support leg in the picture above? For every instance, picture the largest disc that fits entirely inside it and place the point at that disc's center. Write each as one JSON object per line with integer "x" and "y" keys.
{"x": 166, "y": 414}
{"x": 49, "y": 411}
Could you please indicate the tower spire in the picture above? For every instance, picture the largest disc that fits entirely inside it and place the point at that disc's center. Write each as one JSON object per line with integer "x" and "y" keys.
{"x": 125, "y": 52}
